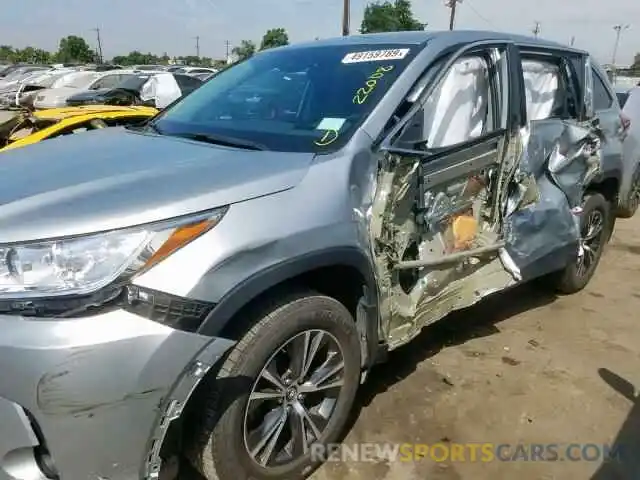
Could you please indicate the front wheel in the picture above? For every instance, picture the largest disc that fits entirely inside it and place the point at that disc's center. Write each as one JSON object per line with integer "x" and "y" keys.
{"x": 595, "y": 223}
{"x": 284, "y": 391}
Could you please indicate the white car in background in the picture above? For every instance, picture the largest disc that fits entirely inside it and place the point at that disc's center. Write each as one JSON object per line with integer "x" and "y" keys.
{"x": 20, "y": 74}
{"x": 73, "y": 83}
{"x": 26, "y": 89}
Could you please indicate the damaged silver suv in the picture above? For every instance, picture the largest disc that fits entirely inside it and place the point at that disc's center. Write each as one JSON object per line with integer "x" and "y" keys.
{"x": 215, "y": 285}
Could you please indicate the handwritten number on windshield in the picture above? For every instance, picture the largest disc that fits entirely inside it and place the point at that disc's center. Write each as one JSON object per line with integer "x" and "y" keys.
{"x": 363, "y": 93}
{"x": 328, "y": 138}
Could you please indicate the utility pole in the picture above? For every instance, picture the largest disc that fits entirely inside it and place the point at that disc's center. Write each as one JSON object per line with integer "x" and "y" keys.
{"x": 573, "y": 40}
{"x": 452, "y": 4}
{"x": 346, "y": 17}
{"x": 197, "y": 46}
{"x": 536, "y": 29}
{"x": 619, "y": 29}
{"x": 97, "y": 30}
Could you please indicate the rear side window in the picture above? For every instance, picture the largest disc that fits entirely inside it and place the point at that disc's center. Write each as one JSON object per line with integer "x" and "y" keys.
{"x": 186, "y": 83}
{"x": 622, "y": 98}
{"x": 602, "y": 99}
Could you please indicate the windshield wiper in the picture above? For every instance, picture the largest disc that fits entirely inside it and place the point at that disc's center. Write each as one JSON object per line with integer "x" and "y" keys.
{"x": 141, "y": 127}
{"x": 221, "y": 140}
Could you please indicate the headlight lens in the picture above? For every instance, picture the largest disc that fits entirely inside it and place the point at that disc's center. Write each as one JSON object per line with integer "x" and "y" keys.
{"x": 81, "y": 265}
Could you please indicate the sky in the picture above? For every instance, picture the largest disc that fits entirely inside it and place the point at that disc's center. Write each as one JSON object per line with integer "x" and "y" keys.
{"x": 171, "y": 26}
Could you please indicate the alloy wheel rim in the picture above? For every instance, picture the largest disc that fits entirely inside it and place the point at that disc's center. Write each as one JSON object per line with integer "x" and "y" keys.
{"x": 590, "y": 242}
{"x": 293, "y": 399}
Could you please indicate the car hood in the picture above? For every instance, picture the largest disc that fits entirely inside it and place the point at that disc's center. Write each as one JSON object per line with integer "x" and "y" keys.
{"x": 115, "y": 178}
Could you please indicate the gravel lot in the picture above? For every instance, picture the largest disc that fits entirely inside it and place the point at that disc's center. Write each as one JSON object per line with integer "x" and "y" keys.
{"x": 520, "y": 367}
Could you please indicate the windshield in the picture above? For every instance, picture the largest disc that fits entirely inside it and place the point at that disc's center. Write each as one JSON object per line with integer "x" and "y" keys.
{"x": 79, "y": 80}
{"x": 21, "y": 73}
{"x": 308, "y": 99}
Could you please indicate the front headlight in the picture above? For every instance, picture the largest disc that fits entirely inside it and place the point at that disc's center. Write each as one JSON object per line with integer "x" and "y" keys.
{"x": 82, "y": 265}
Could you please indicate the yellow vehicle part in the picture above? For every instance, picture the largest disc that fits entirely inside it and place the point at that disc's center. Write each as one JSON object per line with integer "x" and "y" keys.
{"x": 69, "y": 118}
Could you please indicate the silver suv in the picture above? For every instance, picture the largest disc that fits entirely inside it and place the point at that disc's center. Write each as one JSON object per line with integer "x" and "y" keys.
{"x": 215, "y": 285}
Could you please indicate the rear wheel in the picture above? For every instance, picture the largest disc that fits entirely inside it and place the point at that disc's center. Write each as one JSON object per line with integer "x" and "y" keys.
{"x": 595, "y": 223}
{"x": 289, "y": 384}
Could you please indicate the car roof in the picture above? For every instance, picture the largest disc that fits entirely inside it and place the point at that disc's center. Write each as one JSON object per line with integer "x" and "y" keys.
{"x": 446, "y": 38}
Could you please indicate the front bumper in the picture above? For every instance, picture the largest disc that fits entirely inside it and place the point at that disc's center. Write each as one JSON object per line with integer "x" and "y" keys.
{"x": 92, "y": 390}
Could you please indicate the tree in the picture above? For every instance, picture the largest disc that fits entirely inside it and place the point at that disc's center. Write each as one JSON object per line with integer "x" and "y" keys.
{"x": 275, "y": 37}
{"x": 389, "y": 17}
{"x": 74, "y": 49}
{"x": 6, "y": 53}
{"x": 136, "y": 58}
{"x": 246, "y": 49}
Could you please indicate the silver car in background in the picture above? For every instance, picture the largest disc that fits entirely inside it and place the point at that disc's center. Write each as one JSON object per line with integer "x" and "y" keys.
{"x": 630, "y": 188}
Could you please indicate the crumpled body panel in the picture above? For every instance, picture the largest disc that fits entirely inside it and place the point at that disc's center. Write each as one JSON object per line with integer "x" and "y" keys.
{"x": 542, "y": 219}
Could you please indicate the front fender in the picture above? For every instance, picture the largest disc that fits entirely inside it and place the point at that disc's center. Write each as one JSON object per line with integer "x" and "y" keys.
{"x": 247, "y": 289}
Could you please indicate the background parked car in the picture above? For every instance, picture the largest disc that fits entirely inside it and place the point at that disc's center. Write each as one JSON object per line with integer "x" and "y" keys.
{"x": 130, "y": 91}
{"x": 26, "y": 128}
{"x": 630, "y": 189}
{"x": 57, "y": 95}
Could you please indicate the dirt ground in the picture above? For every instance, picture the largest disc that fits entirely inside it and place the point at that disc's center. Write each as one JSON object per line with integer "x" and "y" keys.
{"x": 523, "y": 367}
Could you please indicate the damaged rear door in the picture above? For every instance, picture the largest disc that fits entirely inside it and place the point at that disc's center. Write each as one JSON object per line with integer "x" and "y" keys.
{"x": 436, "y": 221}
{"x": 562, "y": 155}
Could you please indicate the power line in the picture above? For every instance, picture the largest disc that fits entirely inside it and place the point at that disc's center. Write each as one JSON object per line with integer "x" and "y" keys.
{"x": 536, "y": 29}
{"x": 619, "y": 29}
{"x": 478, "y": 14}
{"x": 346, "y": 17}
{"x": 452, "y": 4}
{"x": 97, "y": 30}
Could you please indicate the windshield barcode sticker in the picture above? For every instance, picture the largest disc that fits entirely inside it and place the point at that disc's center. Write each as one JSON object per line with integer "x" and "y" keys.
{"x": 376, "y": 55}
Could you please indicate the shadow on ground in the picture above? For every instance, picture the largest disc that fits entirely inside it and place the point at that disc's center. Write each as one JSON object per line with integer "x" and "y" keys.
{"x": 457, "y": 328}
{"x": 625, "y": 451}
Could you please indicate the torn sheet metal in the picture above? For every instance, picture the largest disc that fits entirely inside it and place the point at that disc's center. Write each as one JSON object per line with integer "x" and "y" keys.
{"x": 162, "y": 89}
{"x": 542, "y": 222}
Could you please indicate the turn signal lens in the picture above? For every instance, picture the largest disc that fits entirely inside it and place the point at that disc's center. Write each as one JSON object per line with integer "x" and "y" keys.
{"x": 179, "y": 238}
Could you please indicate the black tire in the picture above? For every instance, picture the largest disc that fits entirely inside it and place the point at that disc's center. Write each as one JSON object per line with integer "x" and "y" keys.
{"x": 629, "y": 206}
{"x": 215, "y": 442}
{"x": 571, "y": 279}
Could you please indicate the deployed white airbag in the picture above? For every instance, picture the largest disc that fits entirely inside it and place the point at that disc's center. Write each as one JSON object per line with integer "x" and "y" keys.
{"x": 162, "y": 88}
{"x": 457, "y": 110}
{"x": 541, "y": 84}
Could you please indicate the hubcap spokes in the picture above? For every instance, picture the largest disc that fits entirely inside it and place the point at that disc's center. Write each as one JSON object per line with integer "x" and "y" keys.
{"x": 292, "y": 400}
{"x": 590, "y": 242}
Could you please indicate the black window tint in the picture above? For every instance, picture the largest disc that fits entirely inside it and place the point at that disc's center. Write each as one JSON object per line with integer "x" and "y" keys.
{"x": 622, "y": 98}
{"x": 601, "y": 97}
{"x": 110, "y": 81}
{"x": 133, "y": 82}
{"x": 186, "y": 83}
